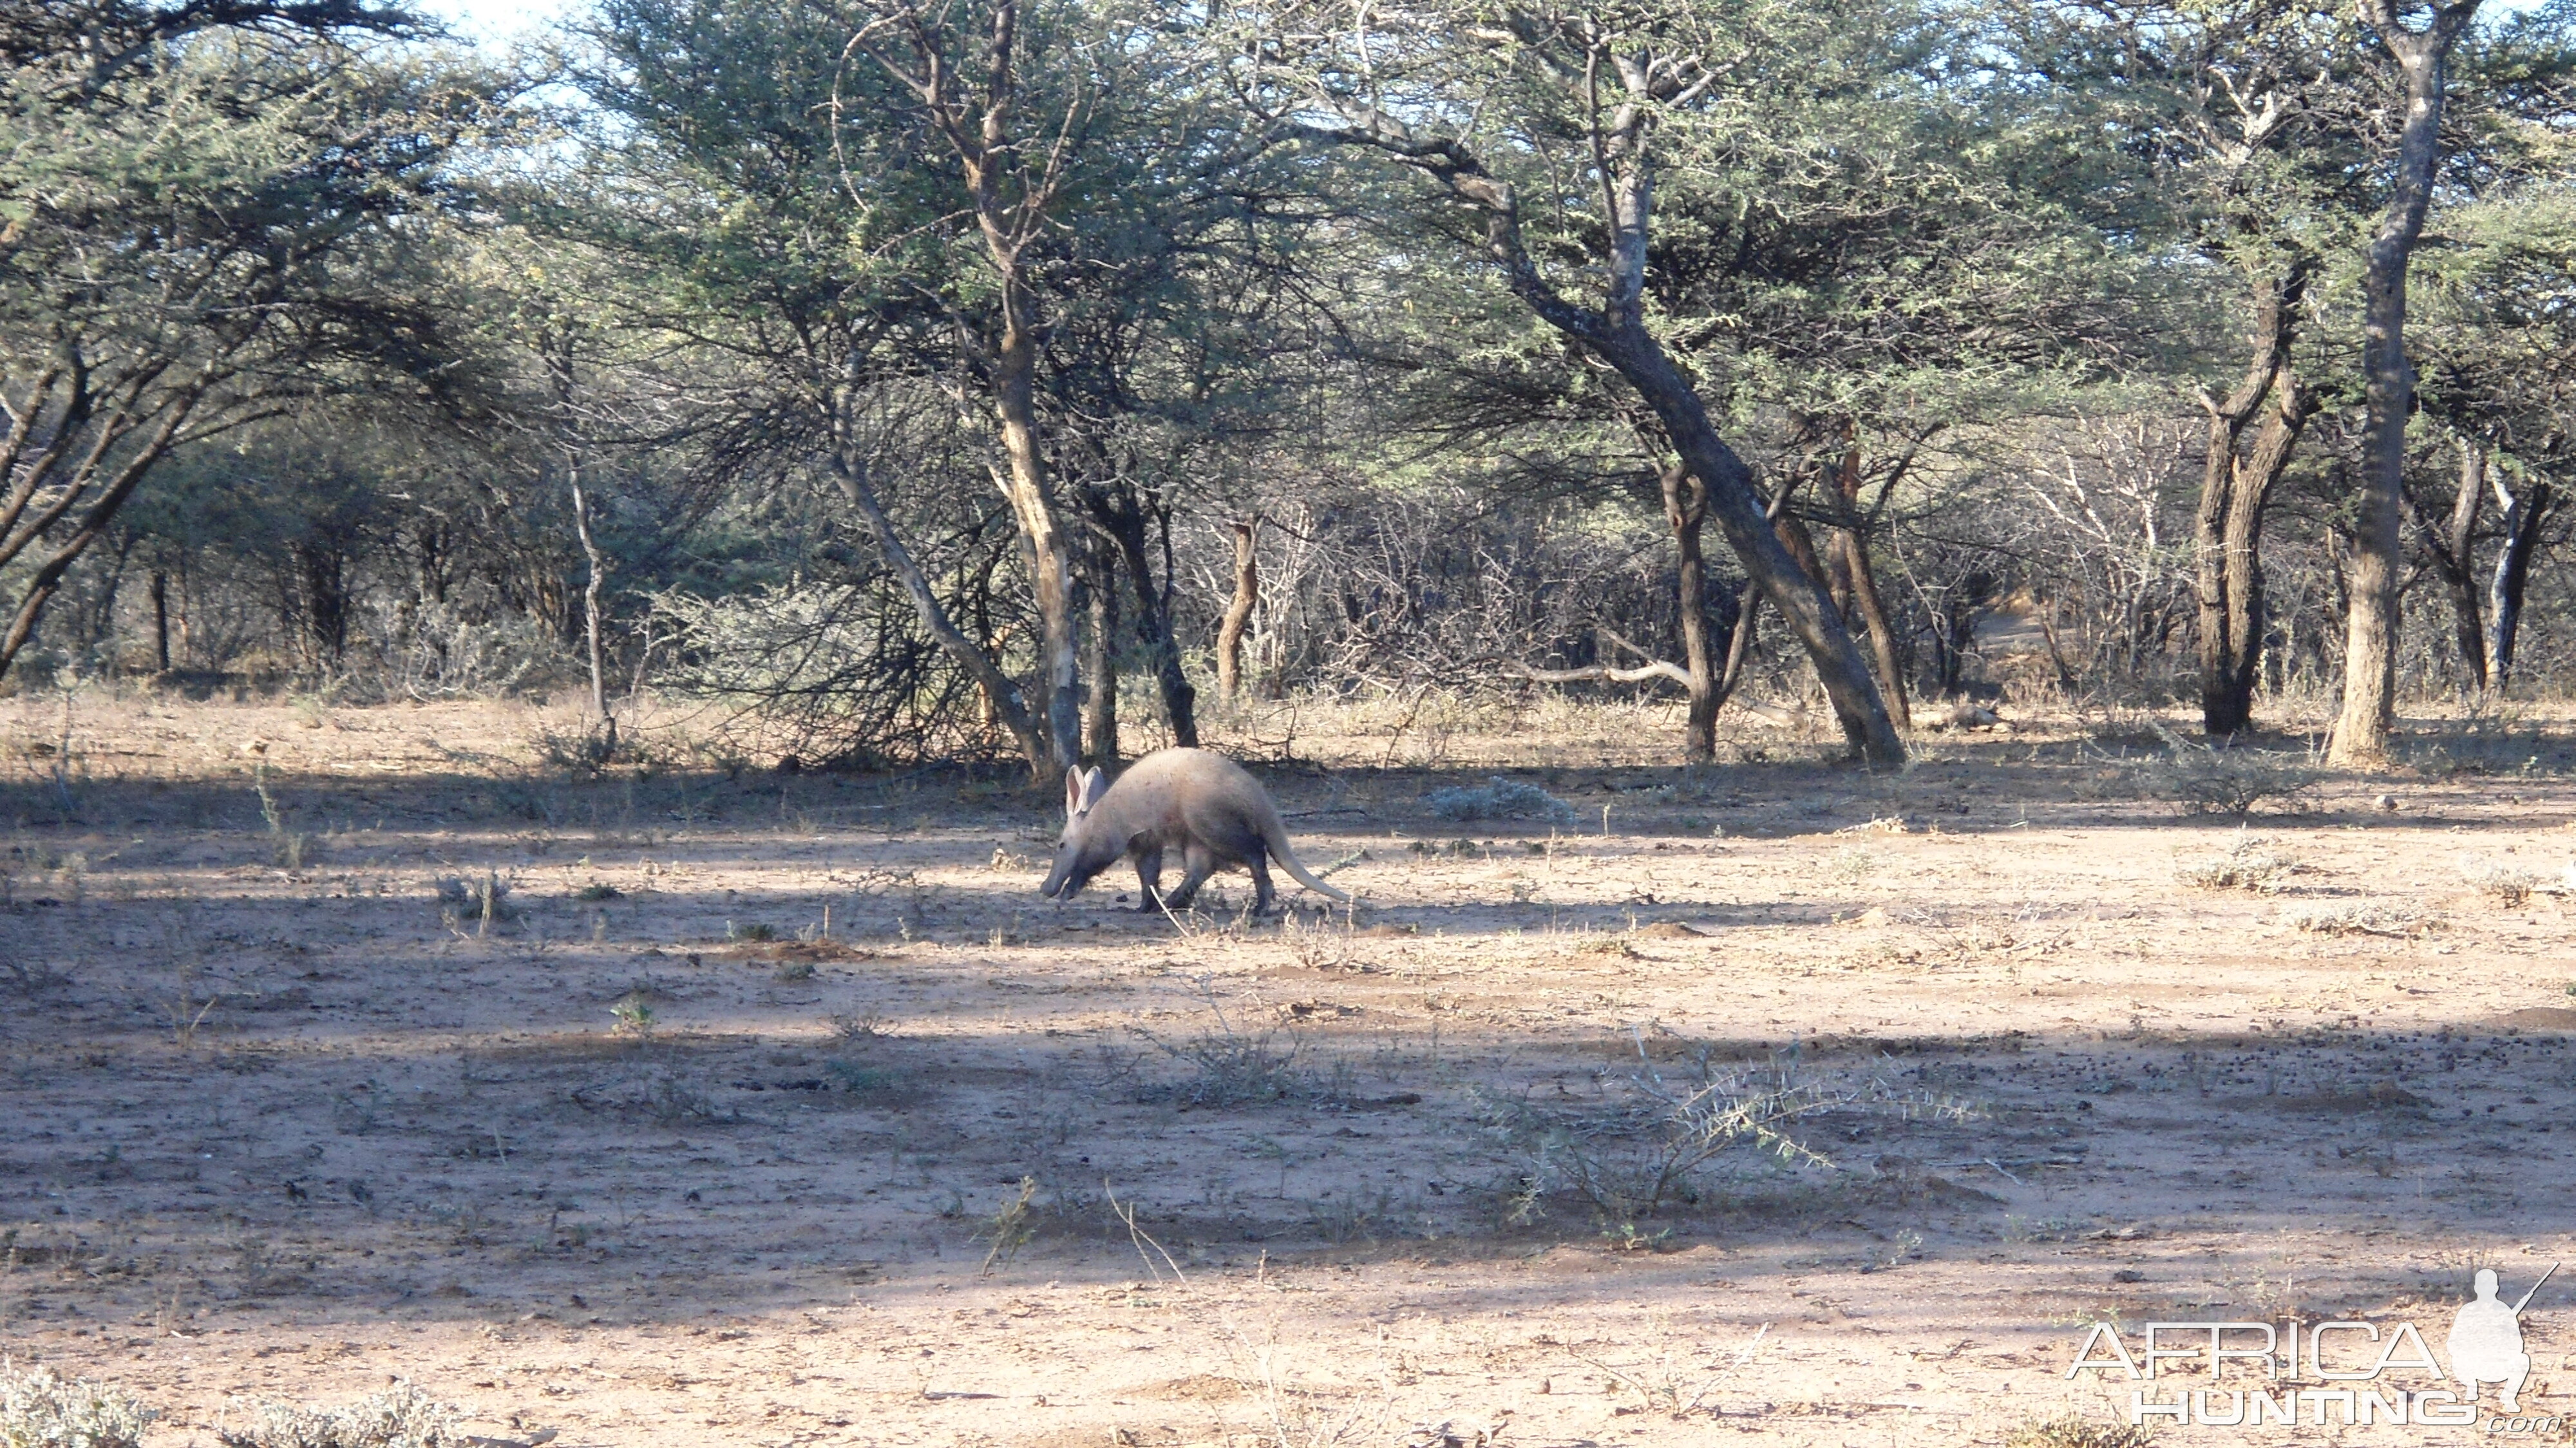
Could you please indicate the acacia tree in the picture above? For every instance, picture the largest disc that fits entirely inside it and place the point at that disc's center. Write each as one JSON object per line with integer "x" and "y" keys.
{"x": 1562, "y": 94}
{"x": 195, "y": 237}
{"x": 790, "y": 273}
{"x": 2491, "y": 334}
{"x": 1013, "y": 179}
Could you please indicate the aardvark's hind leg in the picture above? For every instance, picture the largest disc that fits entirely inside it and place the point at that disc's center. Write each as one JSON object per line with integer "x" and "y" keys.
{"x": 1198, "y": 862}
{"x": 1149, "y": 878}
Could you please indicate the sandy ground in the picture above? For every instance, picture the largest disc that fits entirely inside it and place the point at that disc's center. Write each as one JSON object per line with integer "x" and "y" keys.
{"x": 973, "y": 1168}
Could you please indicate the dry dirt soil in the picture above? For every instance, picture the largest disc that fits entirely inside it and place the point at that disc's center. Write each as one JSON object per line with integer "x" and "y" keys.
{"x": 1975, "y": 1054}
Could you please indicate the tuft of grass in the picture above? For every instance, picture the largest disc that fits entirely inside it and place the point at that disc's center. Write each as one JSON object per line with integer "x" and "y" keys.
{"x": 288, "y": 847}
{"x": 1498, "y": 799}
{"x": 670, "y": 1100}
{"x": 2244, "y": 865}
{"x": 485, "y": 902}
{"x": 2368, "y": 917}
{"x": 2074, "y": 1432}
{"x": 634, "y": 1016}
{"x": 1225, "y": 1067}
{"x": 859, "y": 1080}
{"x": 1651, "y": 1145}
{"x": 849, "y": 1028}
{"x": 42, "y": 1410}
{"x": 2200, "y": 780}
{"x": 1011, "y": 1228}
{"x": 2507, "y": 886}
{"x": 402, "y": 1416}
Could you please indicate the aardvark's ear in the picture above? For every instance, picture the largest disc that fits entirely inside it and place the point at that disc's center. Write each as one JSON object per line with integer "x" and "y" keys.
{"x": 1072, "y": 793}
{"x": 1093, "y": 786}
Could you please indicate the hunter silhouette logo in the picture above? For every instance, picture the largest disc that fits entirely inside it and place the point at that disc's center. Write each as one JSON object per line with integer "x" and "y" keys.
{"x": 2360, "y": 1366}
{"x": 2486, "y": 1341}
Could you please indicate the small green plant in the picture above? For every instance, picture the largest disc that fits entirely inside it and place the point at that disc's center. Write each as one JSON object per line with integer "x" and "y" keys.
{"x": 289, "y": 848}
{"x": 1628, "y": 1237}
{"x": 597, "y": 891}
{"x": 1648, "y": 1147}
{"x": 634, "y": 1016}
{"x": 794, "y": 970}
{"x": 41, "y": 1410}
{"x": 1850, "y": 867}
{"x": 1011, "y": 1228}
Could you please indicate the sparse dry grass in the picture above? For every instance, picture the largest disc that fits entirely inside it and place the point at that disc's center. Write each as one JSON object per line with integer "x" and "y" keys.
{"x": 2367, "y": 917}
{"x": 2246, "y": 864}
{"x": 610, "y": 1163}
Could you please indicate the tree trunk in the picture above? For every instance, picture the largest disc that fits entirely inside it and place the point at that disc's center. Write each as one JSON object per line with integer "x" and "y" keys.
{"x": 606, "y": 747}
{"x": 1238, "y": 614}
{"x": 1123, "y": 519}
{"x": 2235, "y": 486}
{"x": 1686, "y": 509}
{"x": 47, "y": 578}
{"x": 1024, "y": 484}
{"x": 2523, "y": 515}
{"x": 1739, "y": 644}
{"x": 1100, "y": 661}
{"x": 1003, "y": 701}
{"x": 975, "y": 118}
{"x": 2370, "y": 649}
{"x": 160, "y": 621}
{"x": 1802, "y": 602}
{"x": 1864, "y": 584}
{"x": 1618, "y": 335}
{"x": 2450, "y": 544}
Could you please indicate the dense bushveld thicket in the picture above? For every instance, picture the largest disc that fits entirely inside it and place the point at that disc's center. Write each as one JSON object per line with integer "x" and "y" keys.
{"x": 922, "y": 379}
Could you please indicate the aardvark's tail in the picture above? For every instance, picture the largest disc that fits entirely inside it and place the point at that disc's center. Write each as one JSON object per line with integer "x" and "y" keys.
{"x": 1275, "y": 836}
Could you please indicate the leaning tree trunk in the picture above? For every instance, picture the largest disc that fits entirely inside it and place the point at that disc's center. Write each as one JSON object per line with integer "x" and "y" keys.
{"x": 1100, "y": 659}
{"x": 2235, "y": 486}
{"x": 1003, "y": 702}
{"x": 2523, "y": 515}
{"x": 1238, "y": 614}
{"x": 2388, "y": 386}
{"x": 1686, "y": 509}
{"x": 1801, "y": 600}
{"x": 1617, "y": 333}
